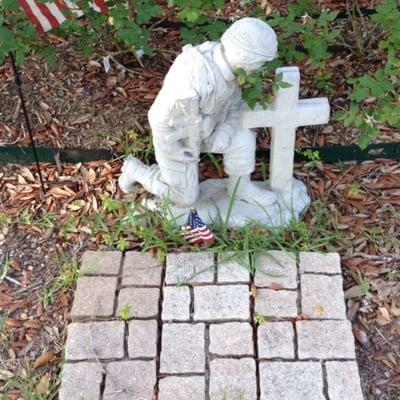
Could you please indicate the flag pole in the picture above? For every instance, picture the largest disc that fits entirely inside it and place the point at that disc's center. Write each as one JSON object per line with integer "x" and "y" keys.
{"x": 19, "y": 86}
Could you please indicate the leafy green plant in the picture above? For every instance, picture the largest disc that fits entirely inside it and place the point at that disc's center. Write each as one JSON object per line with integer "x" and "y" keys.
{"x": 125, "y": 312}
{"x": 196, "y": 16}
{"x": 254, "y": 90}
{"x": 259, "y": 319}
{"x": 375, "y": 98}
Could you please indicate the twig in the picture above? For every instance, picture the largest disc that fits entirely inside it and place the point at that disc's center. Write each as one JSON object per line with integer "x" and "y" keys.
{"x": 12, "y": 280}
{"x": 131, "y": 73}
{"x": 387, "y": 341}
{"x": 383, "y": 258}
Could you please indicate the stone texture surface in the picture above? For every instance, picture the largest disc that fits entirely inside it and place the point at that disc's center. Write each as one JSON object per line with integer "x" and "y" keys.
{"x": 186, "y": 268}
{"x": 182, "y": 388}
{"x": 276, "y": 340}
{"x": 142, "y": 338}
{"x": 232, "y": 338}
{"x": 127, "y": 380}
{"x": 276, "y": 303}
{"x": 325, "y": 339}
{"x": 176, "y": 303}
{"x": 141, "y": 269}
{"x": 101, "y": 263}
{"x": 343, "y": 380}
{"x": 94, "y": 298}
{"x": 230, "y": 270}
{"x": 216, "y": 303}
{"x": 183, "y": 348}
{"x": 276, "y": 267}
{"x": 291, "y": 380}
{"x": 143, "y": 302}
{"x": 92, "y": 340}
{"x": 213, "y": 348}
{"x": 81, "y": 381}
{"x": 328, "y": 263}
{"x": 322, "y": 296}
{"x": 230, "y": 379}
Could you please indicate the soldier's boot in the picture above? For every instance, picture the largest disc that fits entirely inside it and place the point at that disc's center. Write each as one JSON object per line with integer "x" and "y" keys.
{"x": 244, "y": 189}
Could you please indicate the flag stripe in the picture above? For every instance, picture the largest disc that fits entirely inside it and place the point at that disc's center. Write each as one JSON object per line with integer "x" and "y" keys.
{"x": 102, "y": 5}
{"x": 58, "y": 15}
{"x": 48, "y": 15}
{"x": 43, "y": 21}
{"x": 29, "y": 13}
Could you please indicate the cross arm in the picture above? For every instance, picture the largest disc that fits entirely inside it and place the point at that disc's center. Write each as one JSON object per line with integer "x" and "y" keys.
{"x": 312, "y": 112}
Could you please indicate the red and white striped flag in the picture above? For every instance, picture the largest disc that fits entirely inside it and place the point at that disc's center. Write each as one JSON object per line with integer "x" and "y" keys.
{"x": 196, "y": 231}
{"x": 47, "y": 16}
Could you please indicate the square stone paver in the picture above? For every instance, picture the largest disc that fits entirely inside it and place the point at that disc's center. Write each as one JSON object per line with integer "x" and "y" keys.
{"x": 322, "y": 296}
{"x": 94, "y": 298}
{"x": 328, "y": 263}
{"x": 291, "y": 381}
{"x": 230, "y": 270}
{"x": 277, "y": 267}
{"x": 187, "y": 268}
{"x": 92, "y": 340}
{"x": 233, "y": 379}
{"x": 176, "y": 303}
{"x": 183, "y": 348}
{"x": 142, "y": 339}
{"x": 182, "y": 388}
{"x": 81, "y": 381}
{"x": 343, "y": 380}
{"x": 141, "y": 269}
{"x": 325, "y": 339}
{"x": 276, "y": 303}
{"x": 276, "y": 340}
{"x": 101, "y": 263}
{"x": 216, "y": 303}
{"x": 142, "y": 302}
{"x": 232, "y": 338}
{"x": 128, "y": 380}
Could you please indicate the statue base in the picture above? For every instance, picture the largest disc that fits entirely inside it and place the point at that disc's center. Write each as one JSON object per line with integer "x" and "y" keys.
{"x": 214, "y": 206}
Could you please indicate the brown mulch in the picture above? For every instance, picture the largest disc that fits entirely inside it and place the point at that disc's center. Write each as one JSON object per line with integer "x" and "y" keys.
{"x": 360, "y": 201}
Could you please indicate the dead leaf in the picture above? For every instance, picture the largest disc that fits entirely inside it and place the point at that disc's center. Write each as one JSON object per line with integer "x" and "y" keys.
{"x": 276, "y": 286}
{"x": 43, "y": 359}
{"x": 253, "y": 291}
{"x": 384, "y": 317}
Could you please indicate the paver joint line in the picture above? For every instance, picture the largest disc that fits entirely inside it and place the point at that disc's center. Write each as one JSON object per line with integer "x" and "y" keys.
{"x": 202, "y": 337}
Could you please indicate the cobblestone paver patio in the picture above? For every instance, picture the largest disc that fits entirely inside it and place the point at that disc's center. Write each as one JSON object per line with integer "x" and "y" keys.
{"x": 191, "y": 331}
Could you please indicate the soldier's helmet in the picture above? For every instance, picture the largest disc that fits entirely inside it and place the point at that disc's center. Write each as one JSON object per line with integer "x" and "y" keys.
{"x": 252, "y": 40}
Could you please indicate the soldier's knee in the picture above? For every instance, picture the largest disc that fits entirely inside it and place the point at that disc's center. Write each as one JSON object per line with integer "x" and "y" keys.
{"x": 245, "y": 139}
{"x": 185, "y": 197}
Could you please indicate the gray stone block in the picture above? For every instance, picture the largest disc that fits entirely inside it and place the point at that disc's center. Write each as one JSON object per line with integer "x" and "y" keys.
{"x": 92, "y": 340}
{"x": 187, "y": 268}
{"x": 232, "y": 338}
{"x": 328, "y": 263}
{"x": 343, "y": 380}
{"x": 81, "y": 381}
{"x": 94, "y": 298}
{"x": 276, "y": 267}
{"x": 142, "y": 339}
{"x": 101, "y": 263}
{"x": 322, "y": 296}
{"x": 183, "y": 348}
{"x": 233, "y": 379}
{"x": 231, "y": 270}
{"x": 216, "y": 303}
{"x": 291, "y": 381}
{"x": 128, "y": 380}
{"x": 176, "y": 303}
{"x": 142, "y": 302}
{"x": 275, "y": 340}
{"x": 182, "y": 388}
{"x": 325, "y": 339}
{"x": 276, "y": 303}
{"x": 141, "y": 269}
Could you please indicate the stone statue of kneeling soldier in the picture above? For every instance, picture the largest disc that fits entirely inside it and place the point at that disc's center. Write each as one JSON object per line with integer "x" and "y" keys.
{"x": 197, "y": 110}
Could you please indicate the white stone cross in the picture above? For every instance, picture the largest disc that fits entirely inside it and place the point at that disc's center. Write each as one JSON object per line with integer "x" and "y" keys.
{"x": 284, "y": 115}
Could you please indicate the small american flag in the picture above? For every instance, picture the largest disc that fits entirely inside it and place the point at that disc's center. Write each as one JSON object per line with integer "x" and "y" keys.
{"x": 47, "y": 16}
{"x": 196, "y": 231}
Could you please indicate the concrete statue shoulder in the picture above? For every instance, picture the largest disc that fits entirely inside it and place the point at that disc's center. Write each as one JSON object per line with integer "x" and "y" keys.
{"x": 199, "y": 109}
